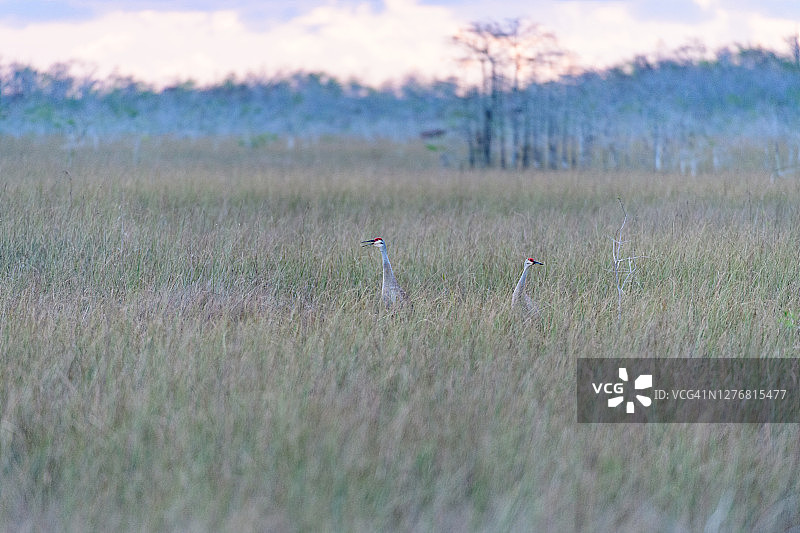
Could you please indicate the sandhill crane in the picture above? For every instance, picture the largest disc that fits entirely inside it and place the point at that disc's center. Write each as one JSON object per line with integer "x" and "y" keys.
{"x": 520, "y": 300}
{"x": 391, "y": 291}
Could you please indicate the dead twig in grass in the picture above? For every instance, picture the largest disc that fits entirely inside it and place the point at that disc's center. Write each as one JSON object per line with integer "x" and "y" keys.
{"x": 624, "y": 268}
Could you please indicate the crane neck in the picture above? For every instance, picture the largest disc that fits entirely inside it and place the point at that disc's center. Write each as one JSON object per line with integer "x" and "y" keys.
{"x": 521, "y": 282}
{"x": 387, "y": 266}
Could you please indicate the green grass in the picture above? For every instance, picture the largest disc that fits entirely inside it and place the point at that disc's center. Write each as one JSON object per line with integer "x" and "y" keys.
{"x": 192, "y": 339}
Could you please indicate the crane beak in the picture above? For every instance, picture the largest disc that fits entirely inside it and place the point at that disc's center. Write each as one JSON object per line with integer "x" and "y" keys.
{"x": 537, "y": 263}
{"x": 367, "y": 243}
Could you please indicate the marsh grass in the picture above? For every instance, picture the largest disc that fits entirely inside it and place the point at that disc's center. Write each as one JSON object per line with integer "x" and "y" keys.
{"x": 192, "y": 339}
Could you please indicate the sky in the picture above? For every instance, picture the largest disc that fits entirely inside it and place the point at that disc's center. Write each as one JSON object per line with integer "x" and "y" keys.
{"x": 375, "y": 41}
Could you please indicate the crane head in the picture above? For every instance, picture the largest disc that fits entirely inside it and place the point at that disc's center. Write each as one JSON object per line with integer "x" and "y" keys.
{"x": 377, "y": 241}
{"x": 530, "y": 261}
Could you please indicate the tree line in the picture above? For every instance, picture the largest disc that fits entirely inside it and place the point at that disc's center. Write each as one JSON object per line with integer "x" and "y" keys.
{"x": 685, "y": 111}
{"x": 519, "y": 105}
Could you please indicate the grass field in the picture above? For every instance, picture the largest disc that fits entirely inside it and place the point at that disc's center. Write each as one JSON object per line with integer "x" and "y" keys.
{"x": 191, "y": 339}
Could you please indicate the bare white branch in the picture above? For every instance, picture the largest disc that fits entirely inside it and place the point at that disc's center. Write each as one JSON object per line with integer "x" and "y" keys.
{"x": 624, "y": 268}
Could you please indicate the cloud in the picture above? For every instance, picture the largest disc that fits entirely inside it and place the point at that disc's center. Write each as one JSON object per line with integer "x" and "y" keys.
{"x": 366, "y": 43}
{"x": 345, "y": 39}
{"x": 253, "y": 13}
{"x": 163, "y": 42}
{"x": 606, "y": 33}
{"x": 675, "y": 11}
{"x": 779, "y": 9}
{"x": 22, "y": 12}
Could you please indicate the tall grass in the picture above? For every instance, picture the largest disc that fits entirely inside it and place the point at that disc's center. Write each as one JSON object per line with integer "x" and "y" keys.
{"x": 192, "y": 339}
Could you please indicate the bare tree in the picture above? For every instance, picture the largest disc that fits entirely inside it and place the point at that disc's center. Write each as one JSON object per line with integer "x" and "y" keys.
{"x": 794, "y": 47}
{"x": 535, "y": 58}
{"x": 512, "y": 56}
{"x": 483, "y": 47}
